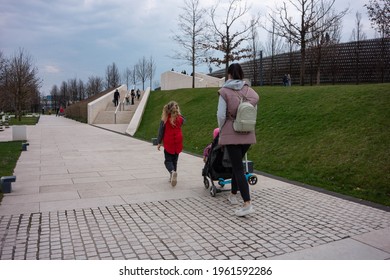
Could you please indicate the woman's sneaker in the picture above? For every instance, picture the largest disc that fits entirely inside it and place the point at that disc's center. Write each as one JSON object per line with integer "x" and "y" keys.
{"x": 232, "y": 199}
{"x": 174, "y": 178}
{"x": 245, "y": 211}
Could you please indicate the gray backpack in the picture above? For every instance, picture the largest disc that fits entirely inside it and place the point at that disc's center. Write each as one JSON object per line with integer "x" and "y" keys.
{"x": 246, "y": 116}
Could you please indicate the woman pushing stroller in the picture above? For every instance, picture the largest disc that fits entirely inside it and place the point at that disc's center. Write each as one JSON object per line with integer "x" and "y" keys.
{"x": 236, "y": 144}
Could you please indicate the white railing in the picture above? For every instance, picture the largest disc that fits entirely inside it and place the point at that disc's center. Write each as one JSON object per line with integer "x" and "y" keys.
{"x": 119, "y": 108}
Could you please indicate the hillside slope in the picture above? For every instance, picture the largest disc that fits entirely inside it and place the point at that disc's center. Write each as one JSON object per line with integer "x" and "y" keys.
{"x": 333, "y": 137}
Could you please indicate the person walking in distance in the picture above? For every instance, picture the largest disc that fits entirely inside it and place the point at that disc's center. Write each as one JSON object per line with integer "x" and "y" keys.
{"x": 116, "y": 97}
{"x": 171, "y": 136}
{"x": 236, "y": 143}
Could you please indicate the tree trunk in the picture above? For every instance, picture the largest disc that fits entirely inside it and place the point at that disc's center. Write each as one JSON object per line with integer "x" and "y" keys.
{"x": 193, "y": 73}
{"x": 302, "y": 67}
{"x": 19, "y": 110}
{"x": 226, "y": 70}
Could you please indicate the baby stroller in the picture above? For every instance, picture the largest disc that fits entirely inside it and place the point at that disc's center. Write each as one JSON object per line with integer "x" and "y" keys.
{"x": 218, "y": 168}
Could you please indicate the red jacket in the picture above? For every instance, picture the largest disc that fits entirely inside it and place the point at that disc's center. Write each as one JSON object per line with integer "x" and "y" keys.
{"x": 173, "y": 136}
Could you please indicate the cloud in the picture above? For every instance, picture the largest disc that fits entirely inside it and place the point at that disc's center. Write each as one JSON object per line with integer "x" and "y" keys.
{"x": 51, "y": 69}
{"x": 80, "y": 38}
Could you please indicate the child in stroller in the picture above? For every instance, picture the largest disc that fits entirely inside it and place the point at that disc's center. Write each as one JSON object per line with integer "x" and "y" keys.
{"x": 206, "y": 151}
{"x": 218, "y": 168}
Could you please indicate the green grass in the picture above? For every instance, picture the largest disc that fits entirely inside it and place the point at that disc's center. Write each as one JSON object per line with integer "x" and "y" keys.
{"x": 24, "y": 121}
{"x": 333, "y": 137}
{"x": 9, "y": 155}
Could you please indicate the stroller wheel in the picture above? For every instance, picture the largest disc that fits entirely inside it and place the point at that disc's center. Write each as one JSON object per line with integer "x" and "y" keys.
{"x": 252, "y": 180}
{"x": 206, "y": 182}
{"x": 213, "y": 191}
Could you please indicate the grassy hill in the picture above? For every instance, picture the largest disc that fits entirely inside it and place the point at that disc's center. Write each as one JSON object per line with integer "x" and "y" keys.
{"x": 333, "y": 137}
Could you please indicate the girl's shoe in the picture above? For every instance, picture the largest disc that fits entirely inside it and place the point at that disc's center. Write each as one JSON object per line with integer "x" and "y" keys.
{"x": 173, "y": 178}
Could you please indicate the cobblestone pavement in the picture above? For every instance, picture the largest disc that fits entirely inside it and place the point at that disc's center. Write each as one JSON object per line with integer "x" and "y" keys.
{"x": 288, "y": 219}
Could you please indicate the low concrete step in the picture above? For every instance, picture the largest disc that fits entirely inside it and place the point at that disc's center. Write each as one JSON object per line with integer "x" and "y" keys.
{"x": 124, "y": 117}
{"x": 105, "y": 117}
{"x": 108, "y": 117}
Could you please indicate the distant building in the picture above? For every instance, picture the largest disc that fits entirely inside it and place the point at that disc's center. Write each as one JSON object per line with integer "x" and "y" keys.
{"x": 175, "y": 80}
{"x": 47, "y": 102}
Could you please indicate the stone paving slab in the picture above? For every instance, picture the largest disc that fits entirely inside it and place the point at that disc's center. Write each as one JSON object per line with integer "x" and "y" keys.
{"x": 347, "y": 249}
{"x": 86, "y": 193}
{"x": 378, "y": 239}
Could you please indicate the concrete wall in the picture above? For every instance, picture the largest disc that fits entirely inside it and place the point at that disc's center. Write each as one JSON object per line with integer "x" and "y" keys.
{"x": 101, "y": 103}
{"x": 175, "y": 80}
{"x": 139, "y": 112}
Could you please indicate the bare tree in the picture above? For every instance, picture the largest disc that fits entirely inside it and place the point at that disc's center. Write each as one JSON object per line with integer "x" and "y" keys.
{"x": 228, "y": 37}
{"x": 76, "y": 90}
{"x": 292, "y": 47}
{"x": 22, "y": 80}
{"x": 379, "y": 14}
{"x": 134, "y": 77}
{"x": 4, "y": 92}
{"x": 272, "y": 47}
{"x": 274, "y": 44}
{"x": 142, "y": 71}
{"x": 2, "y": 64}
{"x": 322, "y": 37}
{"x": 72, "y": 89}
{"x": 113, "y": 78}
{"x": 192, "y": 27}
{"x": 299, "y": 30}
{"x": 127, "y": 76}
{"x": 35, "y": 101}
{"x": 55, "y": 96}
{"x": 64, "y": 94}
{"x": 255, "y": 47}
{"x": 81, "y": 90}
{"x": 358, "y": 35}
{"x": 151, "y": 70}
{"x": 357, "y": 32}
{"x": 94, "y": 85}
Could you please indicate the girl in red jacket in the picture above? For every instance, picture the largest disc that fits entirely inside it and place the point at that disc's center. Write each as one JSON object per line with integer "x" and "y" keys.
{"x": 171, "y": 136}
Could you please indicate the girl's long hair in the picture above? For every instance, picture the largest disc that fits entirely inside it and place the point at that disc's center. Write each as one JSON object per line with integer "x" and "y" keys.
{"x": 171, "y": 109}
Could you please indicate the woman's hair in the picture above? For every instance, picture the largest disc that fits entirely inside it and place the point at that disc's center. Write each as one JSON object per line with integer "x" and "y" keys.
{"x": 171, "y": 109}
{"x": 235, "y": 71}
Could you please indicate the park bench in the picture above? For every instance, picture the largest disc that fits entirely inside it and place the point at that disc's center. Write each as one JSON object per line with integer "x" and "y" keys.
{"x": 5, "y": 183}
{"x": 24, "y": 146}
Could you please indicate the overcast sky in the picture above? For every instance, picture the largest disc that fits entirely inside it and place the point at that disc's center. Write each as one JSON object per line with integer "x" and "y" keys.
{"x": 79, "y": 38}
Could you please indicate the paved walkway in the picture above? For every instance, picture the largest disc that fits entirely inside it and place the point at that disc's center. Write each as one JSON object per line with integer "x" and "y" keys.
{"x": 84, "y": 192}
